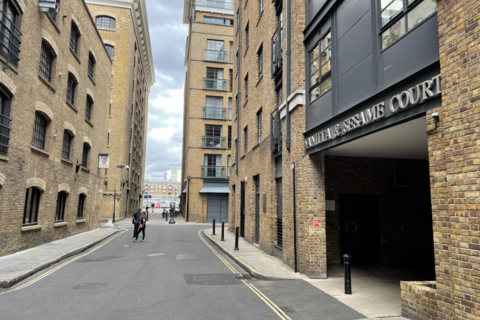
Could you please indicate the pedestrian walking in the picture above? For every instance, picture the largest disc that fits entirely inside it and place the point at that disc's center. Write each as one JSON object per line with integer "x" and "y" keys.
{"x": 141, "y": 226}
{"x": 136, "y": 221}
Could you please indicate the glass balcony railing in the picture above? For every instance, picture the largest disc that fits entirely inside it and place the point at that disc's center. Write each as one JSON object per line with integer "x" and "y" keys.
{"x": 215, "y": 84}
{"x": 214, "y": 55}
{"x": 216, "y": 4}
{"x": 214, "y": 113}
{"x": 214, "y": 142}
{"x": 4, "y": 133}
{"x": 212, "y": 172}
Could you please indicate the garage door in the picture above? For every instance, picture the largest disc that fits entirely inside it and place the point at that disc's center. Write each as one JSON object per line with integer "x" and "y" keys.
{"x": 217, "y": 207}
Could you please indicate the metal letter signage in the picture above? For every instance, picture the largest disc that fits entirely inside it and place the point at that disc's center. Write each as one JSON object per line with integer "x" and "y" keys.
{"x": 404, "y": 100}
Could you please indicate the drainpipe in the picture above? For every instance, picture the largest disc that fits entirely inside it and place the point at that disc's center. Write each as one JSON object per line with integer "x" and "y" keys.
{"x": 287, "y": 91}
{"x": 239, "y": 65}
{"x": 292, "y": 166}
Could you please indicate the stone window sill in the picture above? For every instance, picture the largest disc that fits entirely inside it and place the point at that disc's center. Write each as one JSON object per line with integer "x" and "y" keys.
{"x": 89, "y": 123}
{"x": 66, "y": 161}
{"x": 30, "y": 228}
{"x": 80, "y": 221}
{"x": 47, "y": 83}
{"x": 60, "y": 224}
{"x": 75, "y": 55}
{"x": 72, "y": 106}
{"x": 41, "y": 151}
{"x": 4, "y": 158}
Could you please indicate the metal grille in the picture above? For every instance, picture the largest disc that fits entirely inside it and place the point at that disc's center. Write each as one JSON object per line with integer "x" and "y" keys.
{"x": 61, "y": 200}
{"x": 67, "y": 140}
{"x": 91, "y": 64}
{"x": 74, "y": 35}
{"x": 280, "y": 232}
{"x": 10, "y": 35}
{"x": 46, "y": 63}
{"x": 88, "y": 109}
{"x": 86, "y": 149}
{"x": 110, "y": 50}
{"x": 276, "y": 133}
{"x": 81, "y": 202}
{"x": 105, "y": 22}
{"x": 4, "y": 133}
{"x": 32, "y": 202}
{"x": 71, "y": 89}
{"x": 39, "y": 131}
{"x": 277, "y": 50}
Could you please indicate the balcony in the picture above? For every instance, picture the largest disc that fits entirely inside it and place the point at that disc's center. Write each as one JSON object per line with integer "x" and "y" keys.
{"x": 212, "y": 142}
{"x": 9, "y": 40}
{"x": 215, "y": 56}
{"x": 4, "y": 133}
{"x": 212, "y": 172}
{"x": 216, "y": 4}
{"x": 277, "y": 50}
{"x": 276, "y": 134}
{"x": 214, "y": 113}
{"x": 215, "y": 84}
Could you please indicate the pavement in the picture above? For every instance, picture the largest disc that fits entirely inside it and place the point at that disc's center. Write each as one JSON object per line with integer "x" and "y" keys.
{"x": 376, "y": 294}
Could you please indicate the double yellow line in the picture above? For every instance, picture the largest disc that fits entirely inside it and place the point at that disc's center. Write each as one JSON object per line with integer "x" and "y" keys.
{"x": 260, "y": 294}
{"x": 46, "y": 274}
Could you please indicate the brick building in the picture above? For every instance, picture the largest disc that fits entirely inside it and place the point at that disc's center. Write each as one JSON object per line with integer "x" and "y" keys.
{"x": 123, "y": 26}
{"x": 379, "y": 143}
{"x": 163, "y": 192}
{"x": 207, "y": 131}
{"x": 55, "y": 93}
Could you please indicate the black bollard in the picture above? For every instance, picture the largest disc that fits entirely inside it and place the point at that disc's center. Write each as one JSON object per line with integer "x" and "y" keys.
{"x": 236, "y": 238}
{"x": 213, "y": 227}
{"x": 223, "y": 232}
{"x": 348, "y": 278}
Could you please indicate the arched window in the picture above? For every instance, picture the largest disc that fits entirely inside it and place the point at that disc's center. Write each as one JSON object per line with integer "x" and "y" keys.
{"x": 39, "y": 131}
{"x": 4, "y": 123}
{"x": 110, "y": 50}
{"x": 10, "y": 31}
{"x": 91, "y": 64}
{"x": 88, "y": 109}
{"x": 81, "y": 205}
{"x": 105, "y": 22}
{"x": 46, "y": 62}
{"x": 61, "y": 201}
{"x": 71, "y": 86}
{"x": 67, "y": 143}
{"x": 74, "y": 38}
{"x": 86, "y": 150}
{"x": 32, "y": 203}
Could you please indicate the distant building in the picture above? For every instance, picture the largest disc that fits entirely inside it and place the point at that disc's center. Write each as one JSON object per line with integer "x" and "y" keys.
{"x": 162, "y": 192}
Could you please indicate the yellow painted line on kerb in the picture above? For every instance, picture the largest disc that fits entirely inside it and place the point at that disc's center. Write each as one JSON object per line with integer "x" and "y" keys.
{"x": 260, "y": 294}
{"x": 46, "y": 274}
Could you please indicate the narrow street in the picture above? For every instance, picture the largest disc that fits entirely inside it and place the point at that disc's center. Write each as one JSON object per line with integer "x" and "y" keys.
{"x": 174, "y": 274}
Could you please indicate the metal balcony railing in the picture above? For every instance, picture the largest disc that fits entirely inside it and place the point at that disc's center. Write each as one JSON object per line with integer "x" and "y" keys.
{"x": 214, "y": 142}
{"x": 216, "y": 4}
{"x": 212, "y": 172}
{"x": 214, "y": 113}
{"x": 276, "y": 133}
{"x": 215, "y": 84}
{"x": 9, "y": 40}
{"x": 4, "y": 133}
{"x": 214, "y": 55}
{"x": 280, "y": 232}
{"x": 277, "y": 50}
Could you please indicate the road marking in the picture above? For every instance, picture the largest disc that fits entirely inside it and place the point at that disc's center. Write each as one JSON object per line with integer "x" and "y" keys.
{"x": 62, "y": 265}
{"x": 260, "y": 294}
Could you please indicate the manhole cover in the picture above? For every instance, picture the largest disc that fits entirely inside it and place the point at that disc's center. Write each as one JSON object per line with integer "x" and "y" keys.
{"x": 186, "y": 257}
{"x": 97, "y": 285}
{"x": 155, "y": 254}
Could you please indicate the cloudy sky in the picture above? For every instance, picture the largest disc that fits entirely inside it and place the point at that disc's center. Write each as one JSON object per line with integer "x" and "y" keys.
{"x": 165, "y": 111}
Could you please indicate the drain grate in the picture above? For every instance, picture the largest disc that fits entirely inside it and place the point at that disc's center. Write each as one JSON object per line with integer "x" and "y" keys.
{"x": 97, "y": 285}
{"x": 155, "y": 254}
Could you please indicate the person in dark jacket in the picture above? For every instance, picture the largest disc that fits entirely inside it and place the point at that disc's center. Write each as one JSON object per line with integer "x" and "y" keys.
{"x": 136, "y": 221}
{"x": 141, "y": 227}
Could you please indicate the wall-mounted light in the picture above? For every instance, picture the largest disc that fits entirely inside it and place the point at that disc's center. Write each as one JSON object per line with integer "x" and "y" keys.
{"x": 246, "y": 179}
{"x": 436, "y": 120}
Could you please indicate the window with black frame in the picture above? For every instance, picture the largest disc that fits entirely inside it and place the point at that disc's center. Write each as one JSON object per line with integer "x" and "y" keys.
{"x": 398, "y": 17}
{"x": 320, "y": 68}
{"x": 81, "y": 205}
{"x": 91, "y": 64}
{"x": 74, "y": 38}
{"x": 86, "y": 150}
{"x": 10, "y": 31}
{"x": 39, "y": 131}
{"x": 110, "y": 50}
{"x": 259, "y": 125}
{"x": 4, "y": 123}
{"x": 46, "y": 62}
{"x": 53, "y": 13}
{"x": 260, "y": 61}
{"x": 61, "y": 201}
{"x": 71, "y": 87}
{"x": 32, "y": 204}
{"x": 66, "y": 145}
{"x": 245, "y": 140}
{"x": 105, "y": 22}
{"x": 88, "y": 108}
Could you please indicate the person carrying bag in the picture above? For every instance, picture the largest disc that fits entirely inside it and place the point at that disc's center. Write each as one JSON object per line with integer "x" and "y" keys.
{"x": 141, "y": 226}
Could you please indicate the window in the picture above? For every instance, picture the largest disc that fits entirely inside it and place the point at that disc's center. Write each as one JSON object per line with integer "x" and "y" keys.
{"x": 71, "y": 86}
{"x": 39, "y": 131}
{"x": 110, "y": 50}
{"x": 88, "y": 108}
{"x": 279, "y": 95}
{"x": 214, "y": 73}
{"x": 46, "y": 62}
{"x": 75, "y": 39}
{"x": 230, "y": 52}
{"x": 229, "y": 165}
{"x": 32, "y": 203}
{"x": 216, "y": 45}
{"x": 81, "y": 205}
{"x": 245, "y": 135}
{"x": 260, "y": 61}
{"x": 213, "y": 131}
{"x": 4, "y": 123}
{"x": 61, "y": 201}
{"x": 229, "y": 137}
{"x": 246, "y": 88}
{"x": 230, "y": 108}
{"x": 259, "y": 125}
{"x": 53, "y": 14}
{"x": 67, "y": 144}
{"x": 86, "y": 150}
{"x": 230, "y": 80}
{"x": 10, "y": 31}
{"x": 247, "y": 36}
{"x": 213, "y": 164}
{"x": 91, "y": 64}
{"x": 400, "y": 16}
{"x": 320, "y": 68}
{"x": 215, "y": 20}
{"x": 105, "y": 22}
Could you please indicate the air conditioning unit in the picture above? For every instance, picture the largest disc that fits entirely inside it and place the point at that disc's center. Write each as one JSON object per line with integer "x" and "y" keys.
{"x": 48, "y": 6}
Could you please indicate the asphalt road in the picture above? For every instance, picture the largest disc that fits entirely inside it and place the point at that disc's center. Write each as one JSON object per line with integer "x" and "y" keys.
{"x": 174, "y": 274}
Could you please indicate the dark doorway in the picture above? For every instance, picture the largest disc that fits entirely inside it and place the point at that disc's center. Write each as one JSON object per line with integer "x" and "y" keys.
{"x": 257, "y": 209}
{"x": 359, "y": 228}
{"x": 242, "y": 209}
